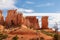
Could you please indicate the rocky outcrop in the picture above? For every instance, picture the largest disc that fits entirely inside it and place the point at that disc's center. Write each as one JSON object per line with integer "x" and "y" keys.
{"x": 1, "y": 17}
{"x": 1, "y": 28}
{"x": 26, "y": 22}
{"x": 19, "y": 18}
{"x": 44, "y": 22}
{"x": 15, "y": 18}
{"x": 24, "y": 30}
{"x": 33, "y": 22}
{"x": 11, "y": 18}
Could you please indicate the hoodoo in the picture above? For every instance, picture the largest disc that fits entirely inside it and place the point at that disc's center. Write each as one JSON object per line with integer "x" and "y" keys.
{"x": 44, "y": 22}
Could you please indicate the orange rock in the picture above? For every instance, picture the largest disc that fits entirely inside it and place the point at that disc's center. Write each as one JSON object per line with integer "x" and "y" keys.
{"x": 33, "y": 22}
{"x": 26, "y": 22}
{"x": 1, "y": 17}
{"x": 11, "y": 17}
{"x": 1, "y": 28}
{"x": 44, "y": 22}
{"x": 14, "y": 18}
{"x": 20, "y": 18}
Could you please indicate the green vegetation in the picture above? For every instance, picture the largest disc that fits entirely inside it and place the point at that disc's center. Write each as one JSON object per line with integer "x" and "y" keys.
{"x": 15, "y": 38}
{"x": 3, "y": 36}
{"x": 37, "y": 30}
{"x": 56, "y": 37}
{"x": 48, "y": 33}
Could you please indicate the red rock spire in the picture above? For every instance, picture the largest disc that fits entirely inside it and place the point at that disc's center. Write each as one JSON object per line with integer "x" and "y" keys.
{"x": 1, "y": 17}
{"x": 44, "y": 22}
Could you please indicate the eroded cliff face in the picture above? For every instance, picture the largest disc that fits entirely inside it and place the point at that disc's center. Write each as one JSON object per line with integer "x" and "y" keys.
{"x": 11, "y": 17}
{"x": 26, "y": 22}
{"x": 33, "y": 22}
{"x": 19, "y": 18}
{"x": 15, "y": 18}
{"x": 1, "y": 17}
{"x": 44, "y": 22}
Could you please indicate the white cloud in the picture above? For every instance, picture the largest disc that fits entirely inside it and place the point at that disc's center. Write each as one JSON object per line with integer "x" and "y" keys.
{"x": 44, "y": 5}
{"x": 53, "y": 18}
{"x": 25, "y": 10}
{"x": 7, "y": 4}
{"x": 29, "y": 2}
{"x": 56, "y": 18}
{"x": 10, "y": 4}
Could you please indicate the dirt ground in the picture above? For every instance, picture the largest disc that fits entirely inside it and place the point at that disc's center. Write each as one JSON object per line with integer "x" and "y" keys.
{"x": 29, "y": 36}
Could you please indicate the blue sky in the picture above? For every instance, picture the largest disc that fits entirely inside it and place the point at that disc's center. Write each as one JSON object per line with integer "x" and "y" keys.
{"x": 41, "y": 6}
{"x": 34, "y": 6}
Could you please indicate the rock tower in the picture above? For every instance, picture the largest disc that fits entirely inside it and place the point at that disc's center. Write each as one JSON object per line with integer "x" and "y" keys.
{"x": 44, "y": 22}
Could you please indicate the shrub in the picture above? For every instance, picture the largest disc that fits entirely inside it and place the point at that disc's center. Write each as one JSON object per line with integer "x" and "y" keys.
{"x": 3, "y": 36}
{"x": 56, "y": 37}
{"x": 15, "y": 38}
{"x": 34, "y": 39}
{"x": 59, "y": 37}
{"x": 41, "y": 38}
{"x": 47, "y": 33}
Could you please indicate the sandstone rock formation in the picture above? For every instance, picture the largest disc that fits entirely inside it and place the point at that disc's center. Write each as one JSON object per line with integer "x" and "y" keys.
{"x": 15, "y": 18}
{"x": 19, "y": 18}
{"x": 33, "y": 22}
{"x": 23, "y": 30}
{"x": 1, "y": 17}
{"x": 1, "y": 28}
{"x": 44, "y": 22}
{"x": 26, "y": 22}
{"x": 11, "y": 17}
